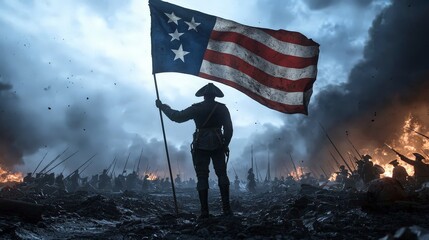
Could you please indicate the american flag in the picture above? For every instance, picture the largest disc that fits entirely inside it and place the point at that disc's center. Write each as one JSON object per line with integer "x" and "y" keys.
{"x": 277, "y": 68}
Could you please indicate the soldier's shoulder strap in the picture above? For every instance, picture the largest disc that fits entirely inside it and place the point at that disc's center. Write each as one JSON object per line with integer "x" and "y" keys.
{"x": 209, "y": 116}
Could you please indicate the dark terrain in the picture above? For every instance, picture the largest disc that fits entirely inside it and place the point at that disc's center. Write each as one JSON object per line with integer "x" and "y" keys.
{"x": 305, "y": 213}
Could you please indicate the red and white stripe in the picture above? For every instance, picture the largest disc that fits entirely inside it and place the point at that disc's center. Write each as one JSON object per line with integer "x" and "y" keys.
{"x": 276, "y": 68}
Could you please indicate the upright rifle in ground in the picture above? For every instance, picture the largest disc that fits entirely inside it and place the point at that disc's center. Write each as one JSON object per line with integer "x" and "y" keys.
{"x": 113, "y": 168}
{"x": 359, "y": 155}
{"x": 419, "y": 133}
{"x": 336, "y": 149}
{"x": 294, "y": 166}
{"x": 138, "y": 164}
{"x": 40, "y": 163}
{"x": 335, "y": 159}
{"x": 111, "y": 164}
{"x": 83, "y": 170}
{"x": 126, "y": 162}
{"x": 61, "y": 162}
{"x": 83, "y": 164}
{"x": 50, "y": 163}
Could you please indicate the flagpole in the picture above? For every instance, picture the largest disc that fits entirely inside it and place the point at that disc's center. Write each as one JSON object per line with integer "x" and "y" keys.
{"x": 166, "y": 148}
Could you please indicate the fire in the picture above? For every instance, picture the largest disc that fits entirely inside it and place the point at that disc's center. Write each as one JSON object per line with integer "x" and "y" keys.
{"x": 152, "y": 177}
{"x": 407, "y": 143}
{"x": 6, "y": 176}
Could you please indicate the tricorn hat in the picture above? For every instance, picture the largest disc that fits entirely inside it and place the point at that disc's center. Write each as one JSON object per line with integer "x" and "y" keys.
{"x": 418, "y": 156}
{"x": 394, "y": 162}
{"x": 209, "y": 90}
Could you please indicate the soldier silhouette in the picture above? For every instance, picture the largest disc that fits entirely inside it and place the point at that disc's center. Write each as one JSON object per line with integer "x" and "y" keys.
{"x": 399, "y": 172}
{"x": 210, "y": 141}
{"x": 421, "y": 169}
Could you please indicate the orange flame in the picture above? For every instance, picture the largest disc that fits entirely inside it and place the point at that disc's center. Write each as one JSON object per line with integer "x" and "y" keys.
{"x": 407, "y": 143}
{"x": 152, "y": 177}
{"x": 7, "y": 177}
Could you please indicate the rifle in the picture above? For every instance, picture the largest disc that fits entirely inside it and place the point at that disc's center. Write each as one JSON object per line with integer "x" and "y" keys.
{"x": 61, "y": 162}
{"x": 294, "y": 166}
{"x": 336, "y": 149}
{"x": 391, "y": 148}
{"x": 111, "y": 164}
{"x": 81, "y": 166}
{"x": 83, "y": 170}
{"x": 140, "y": 158}
{"x": 419, "y": 133}
{"x": 126, "y": 162}
{"x": 332, "y": 155}
{"x": 354, "y": 147}
{"x": 40, "y": 163}
{"x": 50, "y": 163}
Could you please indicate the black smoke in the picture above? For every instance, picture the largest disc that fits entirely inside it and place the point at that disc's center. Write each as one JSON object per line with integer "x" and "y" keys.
{"x": 387, "y": 86}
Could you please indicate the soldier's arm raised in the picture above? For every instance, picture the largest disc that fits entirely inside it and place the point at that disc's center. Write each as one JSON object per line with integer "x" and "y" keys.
{"x": 407, "y": 160}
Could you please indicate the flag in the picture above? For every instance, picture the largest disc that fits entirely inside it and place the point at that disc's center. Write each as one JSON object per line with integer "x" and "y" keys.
{"x": 277, "y": 68}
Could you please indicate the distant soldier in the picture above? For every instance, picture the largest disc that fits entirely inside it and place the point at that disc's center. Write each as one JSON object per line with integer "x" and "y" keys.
{"x": 146, "y": 183}
{"x": 323, "y": 178}
{"x": 29, "y": 178}
{"x": 74, "y": 181}
{"x": 104, "y": 181}
{"x": 120, "y": 182}
{"x": 251, "y": 183}
{"x": 368, "y": 170}
{"x": 210, "y": 142}
{"x": 421, "y": 169}
{"x": 342, "y": 174}
{"x": 131, "y": 181}
{"x": 178, "y": 180}
{"x": 59, "y": 181}
{"x": 236, "y": 184}
{"x": 399, "y": 172}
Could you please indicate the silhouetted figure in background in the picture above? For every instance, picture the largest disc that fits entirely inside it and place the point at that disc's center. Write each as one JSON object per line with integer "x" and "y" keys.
{"x": 210, "y": 142}
{"x": 421, "y": 169}
{"x": 251, "y": 183}
{"x": 399, "y": 172}
{"x": 236, "y": 184}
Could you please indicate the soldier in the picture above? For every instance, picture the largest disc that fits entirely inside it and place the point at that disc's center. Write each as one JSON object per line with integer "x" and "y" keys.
{"x": 236, "y": 184}
{"x": 421, "y": 169}
{"x": 145, "y": 184}
{"x": 399, "y": 172}
{"x": 74, "y": 181}
{"x": 59, "y": 182}
{"x": 178, "y": 180}
{"x": 342, "y": 174}
{"x": 209, "y": 142}
{"x": 368, "y": 170}
{"x": 29, "y": 178}
{"x": 251, "y": 183}
{"x": 104, "y": 181}
{"x": 131, "y": 181}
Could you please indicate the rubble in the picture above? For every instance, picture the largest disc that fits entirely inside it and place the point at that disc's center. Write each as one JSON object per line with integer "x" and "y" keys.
{"x": 306, "y": 212}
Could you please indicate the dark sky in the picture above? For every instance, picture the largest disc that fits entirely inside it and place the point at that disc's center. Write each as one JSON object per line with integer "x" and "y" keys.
{"x": 78, "y": 74}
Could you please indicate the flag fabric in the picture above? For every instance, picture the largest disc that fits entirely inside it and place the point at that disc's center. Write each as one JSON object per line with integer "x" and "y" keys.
{"x": 277, "y": 68}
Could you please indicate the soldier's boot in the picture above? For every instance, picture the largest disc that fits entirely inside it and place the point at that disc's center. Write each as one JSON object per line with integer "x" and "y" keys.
{"x": 224, "y": 193}
{"x": 203, "y": 194}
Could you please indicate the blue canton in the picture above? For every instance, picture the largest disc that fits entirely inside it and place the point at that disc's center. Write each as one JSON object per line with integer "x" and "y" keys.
{"x": 179, "y": 37}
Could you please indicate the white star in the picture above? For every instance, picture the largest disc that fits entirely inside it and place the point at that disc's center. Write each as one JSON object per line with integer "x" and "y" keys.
{"x": 175, "y": 36}
{"x": 179, "y": 53}
{"x": 172, "y": 18}
{"x": 192, "y": 24}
